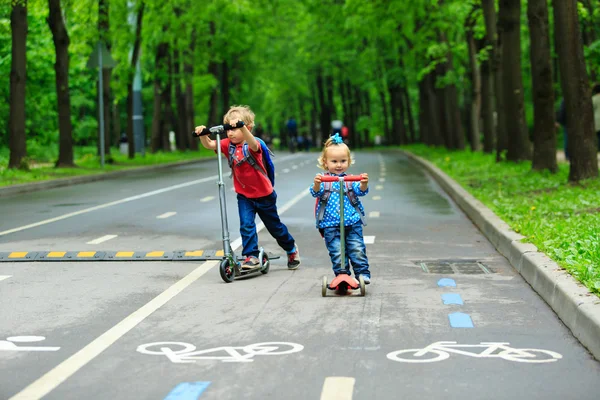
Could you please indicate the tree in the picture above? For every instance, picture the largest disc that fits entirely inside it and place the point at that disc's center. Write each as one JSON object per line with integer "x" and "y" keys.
{"x": 575, "y": 86}
{"x": 18, "y": 77}
{"x": 103, "y": 28}
{"x": 61, "y": 69}
{"x": 509, "y": 17}
{"x": 544, "y": 133}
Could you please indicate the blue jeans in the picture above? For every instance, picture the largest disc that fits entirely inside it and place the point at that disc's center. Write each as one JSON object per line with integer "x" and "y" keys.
{"x": 356, "y": 250}
{"x": 266, "y": 208}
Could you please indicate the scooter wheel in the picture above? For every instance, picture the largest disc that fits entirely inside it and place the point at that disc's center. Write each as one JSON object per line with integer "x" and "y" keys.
{"x": 363, "y": 287}
{"x": 227, "y": 271}
{"x": 265, "y": 264}
{"x": 324, "y": 287}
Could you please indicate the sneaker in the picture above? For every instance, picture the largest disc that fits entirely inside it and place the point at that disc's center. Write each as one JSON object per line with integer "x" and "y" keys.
{"x": 294, "y": 259}
{"x": 250, "y": 262}
{"x": 367, "y": 279}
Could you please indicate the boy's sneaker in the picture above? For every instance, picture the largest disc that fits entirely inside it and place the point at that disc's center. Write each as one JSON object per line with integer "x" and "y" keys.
{"x": 250, "y": 262}
{"x": 294, "y": 259}
{"x": 366, "y": 279}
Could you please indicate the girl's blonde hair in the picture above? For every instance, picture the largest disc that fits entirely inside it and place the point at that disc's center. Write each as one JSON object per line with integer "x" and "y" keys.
{"x": 322, "y": 160}
{"x": 242, "y": 112}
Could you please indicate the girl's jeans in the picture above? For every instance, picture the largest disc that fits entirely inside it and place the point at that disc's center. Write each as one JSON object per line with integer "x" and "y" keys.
{"x": 266, "y": 208}
{"x": 355, "y": 250}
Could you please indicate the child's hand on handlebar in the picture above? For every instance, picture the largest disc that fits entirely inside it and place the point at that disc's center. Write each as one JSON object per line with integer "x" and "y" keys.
{"x": 364, "y": 182}
{"x": 317, "y": 180}
{"x": 199, "y": 129}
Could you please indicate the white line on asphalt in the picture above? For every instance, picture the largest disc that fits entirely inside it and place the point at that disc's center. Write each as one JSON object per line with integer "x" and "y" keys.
{"x": 337, "y": 388}
{"x": 207, "y": 199}
{"x": 166, "y": 215}
{"x": 102, "y": 239}
{"x": 379, "y": 187}
{"x": 381, "y": 179}
{"x": 369, "y": 239}
{"x": 71, "y": 365}
{"x": 376, "y": 197}
{"x": 112, "y": 203}
{"x": 3, "y": 277}
{"x": 374, "y": 214}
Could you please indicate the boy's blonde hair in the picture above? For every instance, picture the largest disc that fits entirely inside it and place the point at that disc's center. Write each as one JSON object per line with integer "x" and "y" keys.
{"x": 322, "y": 160}
{"x": 242, "y": 112}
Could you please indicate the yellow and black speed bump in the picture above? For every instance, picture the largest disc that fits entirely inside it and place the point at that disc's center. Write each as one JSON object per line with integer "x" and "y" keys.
{"x": 125, "y": 255}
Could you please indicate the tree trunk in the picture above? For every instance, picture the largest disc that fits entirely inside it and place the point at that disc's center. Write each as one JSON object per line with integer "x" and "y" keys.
{"x": 161, "y": 106}
{"x": 475, "y": 112}
{"x": 61, "y": 68}
{"x": 576, "y": 89}
{"x": 409, "y": 116}
{"x": 18, "y": 78}
{"x": 134, "y": 61}
{"x": 489, "y": 12}
{"x": 509, "y": 21}
{"x": 188, "y": 75}
{"x": 544, "y": 133}
{"x": 181, "y": 138}
{"x": 225, "y": 90}
{"x": 103, "y": 31}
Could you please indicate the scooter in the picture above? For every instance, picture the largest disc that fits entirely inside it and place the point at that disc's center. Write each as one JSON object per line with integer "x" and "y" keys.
{"x": 230, "y": 267}
{"x": 342, "y": 283}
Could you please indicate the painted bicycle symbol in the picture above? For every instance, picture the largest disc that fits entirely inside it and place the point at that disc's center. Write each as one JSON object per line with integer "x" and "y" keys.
{"x": 440, "y": 351}
{"x": 179, "y": 352}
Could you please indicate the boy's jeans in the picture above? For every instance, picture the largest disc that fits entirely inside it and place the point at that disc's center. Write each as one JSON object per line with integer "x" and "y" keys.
{"x": 355, "y": 250}
{"x": 266, "y": 208}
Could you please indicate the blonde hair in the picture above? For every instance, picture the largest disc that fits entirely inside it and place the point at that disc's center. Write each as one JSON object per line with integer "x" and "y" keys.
{"x": 242, "y": 112}
{"x": 322, "y": 160}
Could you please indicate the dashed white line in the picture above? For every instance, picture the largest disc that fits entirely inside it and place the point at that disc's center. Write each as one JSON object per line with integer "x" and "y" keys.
{"x": 102, "y": 239}
{"x": 369, "y": 239}
{"x": 374, "y": 214}
{"x": 207, "y": 199}
{"x": 166, "y": 215}
{"x": 379, "y": 187}
{"x": 376, "y": 197}
{"x": 337, "y": 388}
{"x": 381, "y": 179}
{"x": 3, "y": 277}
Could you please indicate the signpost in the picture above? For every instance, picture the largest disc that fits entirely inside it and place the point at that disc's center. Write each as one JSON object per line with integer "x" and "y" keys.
{"x": 101, "y": 59}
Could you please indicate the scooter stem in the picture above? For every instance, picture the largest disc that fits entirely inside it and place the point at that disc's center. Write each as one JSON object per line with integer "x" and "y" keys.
{"x": 224, "y": 226}
{"x": 342, "y": 228}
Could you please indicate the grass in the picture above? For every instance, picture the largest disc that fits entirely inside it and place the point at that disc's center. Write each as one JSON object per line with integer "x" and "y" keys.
{"x": 561, "y": 219}
{"x": 88, "y": 163}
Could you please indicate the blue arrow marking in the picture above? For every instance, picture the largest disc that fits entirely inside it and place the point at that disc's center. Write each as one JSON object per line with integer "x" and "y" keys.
{"x": 452, "y": 298}
{"x": 460, "y": 320}
{"x": 446, "y": 282}
{"x": 187, "y": 391}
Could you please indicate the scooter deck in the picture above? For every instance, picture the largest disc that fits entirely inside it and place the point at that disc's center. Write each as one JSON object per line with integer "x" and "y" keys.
{"x": 343, "y": 285}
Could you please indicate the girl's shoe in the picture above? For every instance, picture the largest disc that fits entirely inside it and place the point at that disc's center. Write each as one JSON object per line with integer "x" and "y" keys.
{"x": 294, "y": 259}
{"x": 250, "y": 262}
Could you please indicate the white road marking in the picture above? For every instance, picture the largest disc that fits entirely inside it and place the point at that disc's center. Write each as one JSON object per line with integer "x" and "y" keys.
{"x": 112, "y": 203}
{"x": 381, "y": 179}
{"x": 379, "y": 187}
{"x": 294, "y": 167}
{"x": 337, "y": 388}
{"x": 285, "y": 170}
{"x": 376, "y": 197}
{"x": 102, "y": 239}
{"x": 374, "y": 214}
{"x": 369, "y": 239}
{"x": 166, "y": 215}
{"x": 207, "y": 199}
{"x": 3, "y": 277}
{"x": 71, "y": 365}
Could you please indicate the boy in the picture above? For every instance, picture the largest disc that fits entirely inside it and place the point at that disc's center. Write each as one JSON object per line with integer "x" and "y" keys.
{"x": 255, "y": 193}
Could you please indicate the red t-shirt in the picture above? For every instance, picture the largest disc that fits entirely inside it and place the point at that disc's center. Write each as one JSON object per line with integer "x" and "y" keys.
{"x": 247, "y": 180}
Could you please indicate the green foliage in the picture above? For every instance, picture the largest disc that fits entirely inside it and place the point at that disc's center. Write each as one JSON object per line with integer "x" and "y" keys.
{"x": 562, "y": 220}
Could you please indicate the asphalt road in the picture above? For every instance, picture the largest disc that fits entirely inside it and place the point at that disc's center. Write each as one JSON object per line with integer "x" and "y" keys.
{"x": 174, "y": 330}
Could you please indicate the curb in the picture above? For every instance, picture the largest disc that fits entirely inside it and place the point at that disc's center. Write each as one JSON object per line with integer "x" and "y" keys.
{"x": 574, "y": 304}
{"x": 54, "y": 183}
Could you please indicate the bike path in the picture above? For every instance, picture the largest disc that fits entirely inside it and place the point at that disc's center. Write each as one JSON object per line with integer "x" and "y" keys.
{"x": 349, "y": 336}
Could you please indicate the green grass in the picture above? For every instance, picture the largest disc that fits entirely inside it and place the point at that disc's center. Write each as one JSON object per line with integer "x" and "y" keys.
{"x": 88, "y": 163}
{"x": 562, "y": 220}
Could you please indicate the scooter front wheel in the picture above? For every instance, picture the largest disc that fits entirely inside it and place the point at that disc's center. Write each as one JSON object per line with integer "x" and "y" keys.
{"x": 227, "y": 271}
{"x": 363, "y": 287}
{"x": 324, "y": 287}
{"x": 265, "y": 263}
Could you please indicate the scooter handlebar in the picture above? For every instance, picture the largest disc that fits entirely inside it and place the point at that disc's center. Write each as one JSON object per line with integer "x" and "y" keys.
{"x": 350, "y": 178}
{"x": 218, "y": 128}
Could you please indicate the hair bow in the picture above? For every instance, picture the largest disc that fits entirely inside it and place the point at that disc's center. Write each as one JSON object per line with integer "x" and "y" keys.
{"x": 337, "y": 139}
